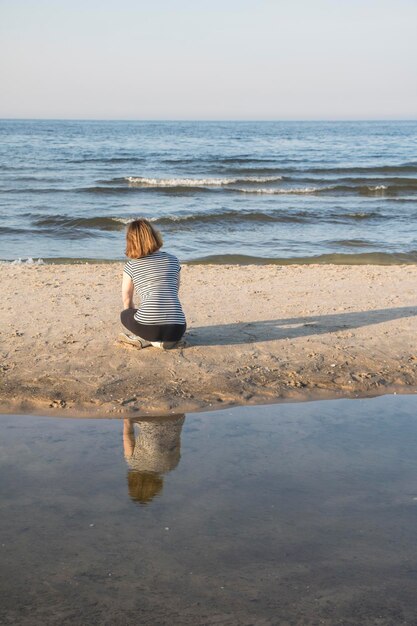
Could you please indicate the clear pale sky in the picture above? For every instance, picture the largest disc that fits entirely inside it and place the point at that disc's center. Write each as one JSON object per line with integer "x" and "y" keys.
{"x": 208, "y": 59}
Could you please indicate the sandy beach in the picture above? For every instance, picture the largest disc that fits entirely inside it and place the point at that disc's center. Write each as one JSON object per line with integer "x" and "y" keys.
{"x": 256, "y": 334}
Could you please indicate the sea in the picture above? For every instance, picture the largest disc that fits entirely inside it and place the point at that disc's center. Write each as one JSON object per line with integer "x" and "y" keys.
{"x": 219, "y": 192}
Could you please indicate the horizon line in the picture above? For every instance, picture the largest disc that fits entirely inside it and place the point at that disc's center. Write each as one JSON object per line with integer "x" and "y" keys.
{"x": 205, "y": 120}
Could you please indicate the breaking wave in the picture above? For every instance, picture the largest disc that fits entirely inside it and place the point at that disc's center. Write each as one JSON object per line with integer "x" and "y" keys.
{"x": 140, "y": 181}
{"x": 288, "y": 190}
{"x": 64, "y": 225}
{"x": 361, "y": 189}
{"x": 246, "y": 185}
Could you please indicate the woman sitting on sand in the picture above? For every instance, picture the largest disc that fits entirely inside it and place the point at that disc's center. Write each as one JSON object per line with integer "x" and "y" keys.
{"x": 155, "y": 277}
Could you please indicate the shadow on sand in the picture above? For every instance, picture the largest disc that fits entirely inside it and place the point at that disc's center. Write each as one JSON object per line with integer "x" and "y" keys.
{"x": 291, "y": 328}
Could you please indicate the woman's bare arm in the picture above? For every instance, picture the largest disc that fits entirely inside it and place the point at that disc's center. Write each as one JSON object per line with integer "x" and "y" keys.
{"x": 128, "y": 438}
{"x": 127, "y": 292}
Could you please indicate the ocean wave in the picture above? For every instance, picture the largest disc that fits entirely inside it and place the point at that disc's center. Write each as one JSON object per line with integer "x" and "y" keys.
{"x": 64, "y": 225}
{"x": 141, "y": 181}
{"x": 371, "y": 169}
{"x": 232, "y": 216}
{"x": 236, "y": 164}
{"x": 249, "y": 171}
{"x": 289, "y": 190}
{"x": 104, "y": 189}
{"x": 216, "y": 159}
{"x": 73, "y": 223}
{"x": 124, "y": 159}
{"x": 355, "y": 181}
{"x": 118, "y": 223}
{"x": 360, "y": 215}
{"x": 332, "y": 189}
{"x": 364, "y": 258}
{"x": 35, "y": 190}
{"x": 276, "y": 216}
{"x": 35, "y": 179}
{"x": 379, "y": 189}
{"x": 351, "y": 243}
{"x": 261, "y": 185}
{"x": 51, "y": 228}
{"x": 13, "y": 230}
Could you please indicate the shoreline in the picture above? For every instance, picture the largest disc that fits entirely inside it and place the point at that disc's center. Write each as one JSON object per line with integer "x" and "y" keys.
{"x": 375, "y": 258}
{"x": 257, "y": 334}
{"x": 39, "y": 408}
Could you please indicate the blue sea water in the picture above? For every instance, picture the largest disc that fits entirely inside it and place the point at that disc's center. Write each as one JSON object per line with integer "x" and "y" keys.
{"x": 218, "y": 191}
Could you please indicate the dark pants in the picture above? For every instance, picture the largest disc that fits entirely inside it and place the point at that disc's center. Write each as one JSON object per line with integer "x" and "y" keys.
{"x": 151, "y": 332}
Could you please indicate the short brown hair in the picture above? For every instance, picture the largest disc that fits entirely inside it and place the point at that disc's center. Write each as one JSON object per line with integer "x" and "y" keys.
{"x": 141, "y": 239}
{"x": 144, "y": 486}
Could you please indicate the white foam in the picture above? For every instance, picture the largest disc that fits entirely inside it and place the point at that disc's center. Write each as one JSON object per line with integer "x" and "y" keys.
{"x": 280, "y": 191}
{"x": 29, "y": 261}
{"x": 127, "y": 220}
{"x": 197, "y": 182}
{"x": 123, "y": 220}
{"x": 378, "y": 188}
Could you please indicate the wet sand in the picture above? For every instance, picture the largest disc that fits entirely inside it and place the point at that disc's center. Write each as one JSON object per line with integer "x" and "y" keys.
{"x": 256, "y": 334}
{"x": 285, "y": 514}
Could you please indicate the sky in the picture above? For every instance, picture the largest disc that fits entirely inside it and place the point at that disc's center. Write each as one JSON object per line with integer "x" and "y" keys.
{"x": 208, "y": 59}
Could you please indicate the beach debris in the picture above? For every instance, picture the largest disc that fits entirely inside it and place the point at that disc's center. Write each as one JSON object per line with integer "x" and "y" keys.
{"x": 358, "y": 376}
{"x": 68, "y": 340}
{"x": 58, "y": 404}
{"x": 128, "y": 401}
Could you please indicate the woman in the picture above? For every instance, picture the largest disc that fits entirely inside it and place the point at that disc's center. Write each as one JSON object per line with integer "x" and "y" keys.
{"x": 155, "y": 277}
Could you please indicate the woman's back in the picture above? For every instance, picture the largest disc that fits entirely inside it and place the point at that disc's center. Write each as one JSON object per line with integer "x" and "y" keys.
{"x": 156, "y": 280}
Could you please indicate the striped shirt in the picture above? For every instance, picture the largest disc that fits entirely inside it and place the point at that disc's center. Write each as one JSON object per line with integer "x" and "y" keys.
{"x": 156, "y": 279}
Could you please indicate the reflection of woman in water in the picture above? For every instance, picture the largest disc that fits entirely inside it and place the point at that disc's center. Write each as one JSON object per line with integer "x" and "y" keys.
{"x": 150, "y": 453}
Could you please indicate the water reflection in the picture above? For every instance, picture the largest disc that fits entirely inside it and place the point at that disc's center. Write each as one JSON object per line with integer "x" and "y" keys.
{"x": 281, "y": 514}
{"x": 152, "y": 447}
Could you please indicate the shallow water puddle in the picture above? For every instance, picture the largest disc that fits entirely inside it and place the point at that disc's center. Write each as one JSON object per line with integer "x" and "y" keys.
{"x": 284, "y": 514}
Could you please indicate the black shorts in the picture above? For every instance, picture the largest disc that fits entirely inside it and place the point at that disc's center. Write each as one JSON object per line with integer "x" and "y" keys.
{"x": 151, "y": 332}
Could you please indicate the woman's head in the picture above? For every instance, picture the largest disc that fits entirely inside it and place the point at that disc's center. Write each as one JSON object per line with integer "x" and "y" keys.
{"x": 144, "y": 486}
{"x": 141, "y": 239}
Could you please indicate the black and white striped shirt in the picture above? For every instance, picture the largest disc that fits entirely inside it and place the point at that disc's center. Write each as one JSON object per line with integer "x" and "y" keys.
{"x": 156, "y": 278}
